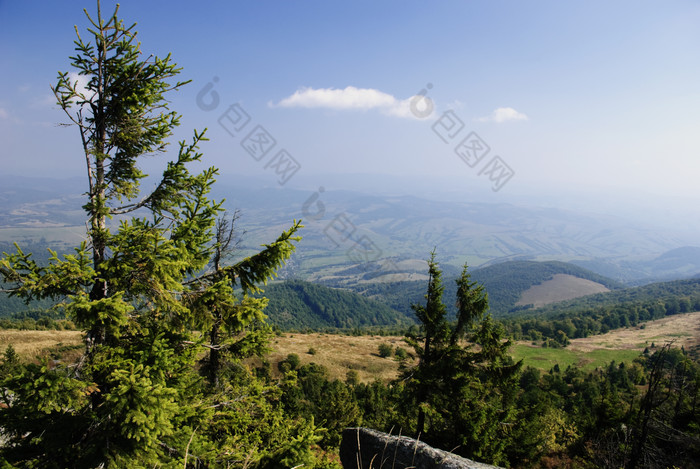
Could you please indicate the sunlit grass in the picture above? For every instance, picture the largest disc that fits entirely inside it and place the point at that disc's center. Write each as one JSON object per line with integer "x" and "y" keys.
{"x": 546, "y": 358}
{"x": 29, "y": 344}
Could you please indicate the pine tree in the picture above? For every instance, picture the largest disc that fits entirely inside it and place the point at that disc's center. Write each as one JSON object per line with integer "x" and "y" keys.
{"x": 139, "y": 290}
{"x": 462, "y": 391}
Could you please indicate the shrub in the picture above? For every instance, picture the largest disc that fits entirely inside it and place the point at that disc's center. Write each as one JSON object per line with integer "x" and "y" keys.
{"x": 352, "y": 378}
{"x": 400, "y": 353}
{"x": 385, "y": 350}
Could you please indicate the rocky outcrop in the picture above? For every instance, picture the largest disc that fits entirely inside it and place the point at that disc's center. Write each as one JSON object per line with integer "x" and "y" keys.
{"x": 363, "y": 448}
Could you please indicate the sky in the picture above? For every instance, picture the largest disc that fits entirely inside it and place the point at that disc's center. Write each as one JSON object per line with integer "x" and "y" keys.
{"x": 577, "y": 102}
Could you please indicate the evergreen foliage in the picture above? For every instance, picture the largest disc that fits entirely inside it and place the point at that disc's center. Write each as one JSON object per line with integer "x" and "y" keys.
{"x": 144, "y": 297}
{"x": 462, "y": 392}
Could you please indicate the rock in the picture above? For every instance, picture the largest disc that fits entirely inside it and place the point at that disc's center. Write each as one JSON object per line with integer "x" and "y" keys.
{"x": 362, "y": 448}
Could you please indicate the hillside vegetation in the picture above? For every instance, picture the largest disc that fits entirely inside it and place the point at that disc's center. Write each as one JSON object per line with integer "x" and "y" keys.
{"x": 597, "y": 314}
{"x": 341, "y": 353}
{"x": 302, "y": 305}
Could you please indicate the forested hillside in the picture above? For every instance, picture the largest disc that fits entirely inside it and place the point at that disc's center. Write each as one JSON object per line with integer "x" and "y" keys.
{"x": 302, "y": 305}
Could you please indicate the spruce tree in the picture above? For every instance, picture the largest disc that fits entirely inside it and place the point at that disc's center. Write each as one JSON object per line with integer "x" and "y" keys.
{"x": 139, "y": 289}
{"x": 461, "y": 394}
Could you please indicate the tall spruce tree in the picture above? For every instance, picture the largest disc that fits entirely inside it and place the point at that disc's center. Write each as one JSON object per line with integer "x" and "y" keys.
{"x": 137, "y": 289}
{"x": 461, "y": 394}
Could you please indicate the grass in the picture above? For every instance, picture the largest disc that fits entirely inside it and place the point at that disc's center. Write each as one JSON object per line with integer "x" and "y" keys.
{"x": 340, "y": 354}
{"x": 546, "y": 358}
{"x": 619, "y": 345}
{"x": 29, "y": 344}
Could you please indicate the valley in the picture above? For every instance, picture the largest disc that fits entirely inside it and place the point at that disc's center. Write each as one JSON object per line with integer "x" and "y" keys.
{"x": 388, "y": 237}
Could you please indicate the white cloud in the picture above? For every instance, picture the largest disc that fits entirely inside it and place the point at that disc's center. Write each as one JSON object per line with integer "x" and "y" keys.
{"x": 348, "y": 98}
{"x": 80, "y": 88}
{"x": 352, "y": 98}
{"x": 4, "y": 114}
{"x": 82, "y": 80}
{"x": 504, "y": 114}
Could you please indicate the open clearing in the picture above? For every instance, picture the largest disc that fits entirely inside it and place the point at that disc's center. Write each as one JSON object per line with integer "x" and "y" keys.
{"x": 561, "y": 287}
{"x": 683, "y": 329}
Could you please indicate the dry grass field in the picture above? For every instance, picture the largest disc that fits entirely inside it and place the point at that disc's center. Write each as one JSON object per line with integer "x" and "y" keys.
{"x": 683, "y": 329}
{"x": 31, "y": 343}
{"x": 340, "y": 354}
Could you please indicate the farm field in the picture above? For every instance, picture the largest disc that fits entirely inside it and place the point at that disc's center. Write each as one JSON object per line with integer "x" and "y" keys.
{"x": 561, "y": 287}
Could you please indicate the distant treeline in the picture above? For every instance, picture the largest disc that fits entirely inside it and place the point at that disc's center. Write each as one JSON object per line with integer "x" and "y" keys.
{"x": 600, "y": 313}
{"x": 36, "y": 320}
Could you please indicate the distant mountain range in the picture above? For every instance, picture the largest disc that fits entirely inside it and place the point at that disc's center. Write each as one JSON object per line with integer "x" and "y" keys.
{"x": 674, "y": 264}
{"x": 350, "y": 235}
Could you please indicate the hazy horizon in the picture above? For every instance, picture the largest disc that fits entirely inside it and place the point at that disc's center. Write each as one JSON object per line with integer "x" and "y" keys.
{"x": 582, "y": 106}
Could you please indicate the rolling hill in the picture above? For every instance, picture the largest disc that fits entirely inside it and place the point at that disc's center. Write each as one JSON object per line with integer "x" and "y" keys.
{"x": 674, "y": 264}
{"x": 306, "y": 306}
{"x": 665, "y": 294}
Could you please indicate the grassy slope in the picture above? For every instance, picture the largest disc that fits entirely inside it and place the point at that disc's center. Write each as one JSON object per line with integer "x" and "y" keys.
{"x": 31, "y": 343}
{"x": 653, "y": 292}
{"x": 342, "y": 353}
{"x": 560, "y": 288}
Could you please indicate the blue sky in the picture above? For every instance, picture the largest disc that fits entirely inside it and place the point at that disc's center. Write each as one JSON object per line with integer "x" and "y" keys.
{"x": 584, "y": 98}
